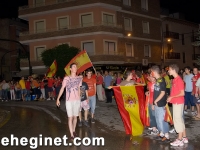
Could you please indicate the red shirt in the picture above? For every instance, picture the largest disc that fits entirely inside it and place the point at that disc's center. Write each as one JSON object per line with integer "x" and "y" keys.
{"x": 42, "y": 85}
{"x": 177, "y": 86}
{"x": 50, "y": 82}
{"x": 151, "y": 90}
{"x": 28, "y": 85}
{"x": 99, "y": 80}
{"x": 196, "y": 77}
{"x": 90, "y": 82}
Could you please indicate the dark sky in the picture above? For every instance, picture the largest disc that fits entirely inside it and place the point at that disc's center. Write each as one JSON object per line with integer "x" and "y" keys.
{"x": 191, "y": 8}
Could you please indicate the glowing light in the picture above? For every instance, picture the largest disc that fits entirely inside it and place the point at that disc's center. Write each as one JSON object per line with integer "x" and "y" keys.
{"x": 129, "y": 34}
{"x": 169, "y": 40}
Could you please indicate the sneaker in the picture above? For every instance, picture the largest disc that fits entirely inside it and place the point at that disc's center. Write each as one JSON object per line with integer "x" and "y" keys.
{"x": 153, "y": 132}
{"x": 193, "y": 113}
{"x": 48, "y": 99}
{"x": 92, "y": 120}
{"x": 80, "y": 124}
{"x": 185, "y": 112}
{"x": 177, "y": 142}
{"x": 86, "y": 123}
{"x": 53, "y": 99}
{"x": 185, "y": 140}
{"x": 165, "y": 139}
{"x": 172, "y": 131}
{"x": 150, "y": 128}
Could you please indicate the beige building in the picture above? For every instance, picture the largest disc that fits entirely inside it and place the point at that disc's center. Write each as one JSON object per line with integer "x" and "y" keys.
{"x": 120, "y": 32}
{"x": 178, "y": 36}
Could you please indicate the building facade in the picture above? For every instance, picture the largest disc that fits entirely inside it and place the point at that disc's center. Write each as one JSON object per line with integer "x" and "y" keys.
{"x": 9, "y": 30}
{"x": 116, "y": 32}
{"x": 178, "y": 36}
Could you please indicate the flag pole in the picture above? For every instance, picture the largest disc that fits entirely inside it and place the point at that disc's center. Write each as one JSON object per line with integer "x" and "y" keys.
{"x": 125, "y": 71}
{"x": 91, "y": 62}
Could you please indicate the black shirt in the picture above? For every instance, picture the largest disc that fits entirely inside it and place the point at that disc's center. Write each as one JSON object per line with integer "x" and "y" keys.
{"x": 158, "y": 87}
{"x": 83, "y": 89}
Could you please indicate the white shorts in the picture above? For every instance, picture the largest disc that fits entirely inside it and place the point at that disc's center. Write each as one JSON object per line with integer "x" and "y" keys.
{"x": 73, "y": 107}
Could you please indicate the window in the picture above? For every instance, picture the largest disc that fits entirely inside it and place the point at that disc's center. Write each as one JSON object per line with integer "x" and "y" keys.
{"x": 39, "y": 3}
{"x": 144, "y": 4}
{"x": 39, "y": 26}
{"x": 183, "y": 39}
{"x": 145, "y": 26}
{"x": 127, "y": 2}
{"x": 63, "y": 23}
{"x": 129, "y": 50}
{"x": 110, "y": 48}
{"x": 86, "y": 20}
{"x": 39, "y": 51}
{"x": 147, "y": 51}
{"x": 108, "y": 19}
{"x": 89, "y": 47}
{"x": 128, "y": 24}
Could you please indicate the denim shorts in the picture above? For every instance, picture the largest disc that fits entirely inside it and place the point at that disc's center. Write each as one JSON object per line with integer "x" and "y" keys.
{"x": 23, "y": 91}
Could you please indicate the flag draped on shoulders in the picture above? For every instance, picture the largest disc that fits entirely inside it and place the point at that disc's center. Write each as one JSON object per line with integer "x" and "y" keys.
{"x": 82, "y": 61}
{"x": 131, "y": 104}
{"x": 52, "y": 69}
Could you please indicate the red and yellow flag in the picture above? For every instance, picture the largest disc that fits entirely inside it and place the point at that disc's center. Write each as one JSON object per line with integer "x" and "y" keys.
{"x": 131, "y": 101}
{"x": 52, "y": 69}
{"x": 168, "y": 116}
{"x": 82, "y": 61}
{"x": 147, "y": 119}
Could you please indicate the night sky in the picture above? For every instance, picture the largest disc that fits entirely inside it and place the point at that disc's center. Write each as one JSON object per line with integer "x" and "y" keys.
{"x": 191, "y": 8}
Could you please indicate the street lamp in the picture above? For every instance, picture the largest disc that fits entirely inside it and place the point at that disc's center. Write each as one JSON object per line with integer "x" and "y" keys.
{"x": 129, "y": 34}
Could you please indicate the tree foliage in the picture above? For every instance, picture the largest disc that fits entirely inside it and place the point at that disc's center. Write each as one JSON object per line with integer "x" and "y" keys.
{"x": 62, "y": 54}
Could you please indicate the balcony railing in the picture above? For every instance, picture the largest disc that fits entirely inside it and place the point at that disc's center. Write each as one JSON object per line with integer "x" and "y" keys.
{"x": 195, "y": 57}
{"x": 102, "y": 24}
{"x": 44, "y": 4}
{"x": 172, "y": 55}
{"x": 173, "y": 35}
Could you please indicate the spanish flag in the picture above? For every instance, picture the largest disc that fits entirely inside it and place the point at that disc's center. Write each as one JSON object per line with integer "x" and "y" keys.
{"x": 82, "y": 61}
{"x": 131, "y": 101}
{"x": 147, "y": 119}
{"x": 168, "y": 116}
{"x": 52, "y": 69}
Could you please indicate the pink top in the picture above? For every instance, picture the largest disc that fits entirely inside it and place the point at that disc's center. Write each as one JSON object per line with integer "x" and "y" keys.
{"x": 118, "y": 80}
{"x": 72, "y": 85}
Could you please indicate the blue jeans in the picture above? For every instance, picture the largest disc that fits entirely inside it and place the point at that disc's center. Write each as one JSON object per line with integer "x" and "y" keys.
{"x": 161, "y": 124}
{"x": 18, "y": 94}
{"x": 152, "y": 117}
{"x": 189, "y": 99}
{"x": 5, "y": 94}
{"x": 92, "y": 103}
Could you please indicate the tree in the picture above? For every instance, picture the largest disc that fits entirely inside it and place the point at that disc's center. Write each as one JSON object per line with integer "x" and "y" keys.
{"x": 62, "y": 54}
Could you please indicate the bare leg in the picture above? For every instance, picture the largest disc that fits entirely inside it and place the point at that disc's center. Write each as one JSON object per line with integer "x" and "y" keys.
{"x": 192, "y": 108}
{"x": 184, "y": 133}
{"x": 74, "y": 123}
{"x": 198, "y": 109}
{"x": 180, "y": 135}
{"x": 92, "y": 115}
{"x": 70, "y": 124}
{"x": 80, "y": 117}
{"x": 86, "y": 115}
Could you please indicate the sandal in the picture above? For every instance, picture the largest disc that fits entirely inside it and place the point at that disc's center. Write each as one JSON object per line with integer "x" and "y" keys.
{"x": 196, "y": 118}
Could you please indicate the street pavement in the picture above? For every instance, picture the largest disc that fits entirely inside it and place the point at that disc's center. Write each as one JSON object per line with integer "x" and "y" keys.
{"x": 43, "y": 117}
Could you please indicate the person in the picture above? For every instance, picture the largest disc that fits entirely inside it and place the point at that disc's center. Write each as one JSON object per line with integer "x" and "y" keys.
{"x": 108, "y": 83}
{"x": 118, "y": 79}
{"x": 50, "y": 84}
{"x": 159, "y": 103}
{"x": 23, "y": 88}
{"x": 28, "y": 88}
{"x": 177, "y": 99}
{"x": 188, "y": 90}
{"x": 99, "y": 86}
{"x": 91, "y": 82}
{"x": 149, "y": 94}
{"x": 196, "y": 92}
{"x": 42, "y": 89}
{"x": 167, "y": 80}
{"x": 128, "y": 79}
{"x": 84, "y": 104}
{"x": 18, "y": 90}
{"x": 72, "y": 85}
{"x": 35, "y": 85}
{"x": 5, "y": 88}
{"x": 12, "y": 90}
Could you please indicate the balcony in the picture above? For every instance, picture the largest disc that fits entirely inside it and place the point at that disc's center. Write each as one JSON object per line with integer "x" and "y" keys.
{"x": 58, "y": 4}
{"x": 71, "y": 30}
{"x": 169, "y": 34}
{"x": 172, "y": 55}
{"x": 196, "y": 56}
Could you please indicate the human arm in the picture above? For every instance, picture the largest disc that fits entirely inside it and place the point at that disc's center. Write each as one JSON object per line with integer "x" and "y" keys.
{"x": 182, "y": 93}
{"x": 61, "y": 92}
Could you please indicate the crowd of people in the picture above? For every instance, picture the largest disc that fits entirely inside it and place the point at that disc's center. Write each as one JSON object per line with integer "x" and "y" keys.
{"x": 167, "y": 86}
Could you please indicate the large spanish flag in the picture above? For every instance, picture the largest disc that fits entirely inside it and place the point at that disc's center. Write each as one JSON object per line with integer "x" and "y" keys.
{"x": 82, "y": 61}
{"x": 52, "y": 69}
{"x": 131, "y": 105}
